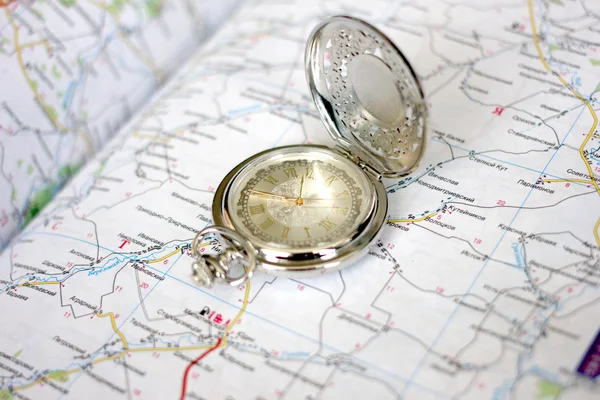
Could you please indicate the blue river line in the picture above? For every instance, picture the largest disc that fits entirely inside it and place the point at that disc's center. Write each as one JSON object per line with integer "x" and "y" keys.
{"x": 274, "y": 324}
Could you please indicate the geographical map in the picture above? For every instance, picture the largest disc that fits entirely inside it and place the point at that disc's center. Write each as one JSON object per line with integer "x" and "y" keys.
{"x": 483, "y": 285}
{"x": 72, "y": 72}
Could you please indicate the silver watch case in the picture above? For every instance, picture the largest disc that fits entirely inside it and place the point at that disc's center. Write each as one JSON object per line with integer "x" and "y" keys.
{"x": 367, "y": 94}
{"x": 294, "y": 264}
{"x": 371, "y": 102}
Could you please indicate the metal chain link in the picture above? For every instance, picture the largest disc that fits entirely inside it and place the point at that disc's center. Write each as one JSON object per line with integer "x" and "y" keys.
{"x": 209, "y": 269}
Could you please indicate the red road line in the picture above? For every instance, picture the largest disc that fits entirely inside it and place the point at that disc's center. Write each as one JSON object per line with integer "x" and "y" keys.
{"x": 189, "y": 367}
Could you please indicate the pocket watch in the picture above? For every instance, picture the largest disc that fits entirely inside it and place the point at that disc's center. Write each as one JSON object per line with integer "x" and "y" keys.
{"x": 301, "y": 210}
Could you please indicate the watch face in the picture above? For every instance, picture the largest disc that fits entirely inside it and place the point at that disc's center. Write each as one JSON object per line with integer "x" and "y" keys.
{"x": 300, "y": 199}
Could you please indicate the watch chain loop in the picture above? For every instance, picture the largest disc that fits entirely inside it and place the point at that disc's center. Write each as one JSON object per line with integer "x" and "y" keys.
{"x": 215, "y": 268}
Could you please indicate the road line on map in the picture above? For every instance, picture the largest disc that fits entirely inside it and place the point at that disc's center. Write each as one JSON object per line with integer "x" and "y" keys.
{"x": 596, "y": 227}
{"x": 586, "y": 182}
{"x": 142, "y": 349}
{"x": 587, "y": 103}
{"x": 257, "y": 316}
{"x": 416, "y": 219}
{"x": 124, "y": 340}
{"x": 157, "y": 138}
{"x": 242, "y": 310}
{"x": 24, "y": 70}
{"x": 115, "y": 328}
{"x": 416, "y": 370}
{"x": 158, "y": 73}
{"x": 172, "y": 253}
{"x": 114, "y": 357}
{"x": 194, "y": 362}
{"x": 164, "y": 257}
{"x": 221, "y": 342}
{"x": 38, "y": 284}
{"x": 36, "y": 43}
{"x": 39, "y": 98}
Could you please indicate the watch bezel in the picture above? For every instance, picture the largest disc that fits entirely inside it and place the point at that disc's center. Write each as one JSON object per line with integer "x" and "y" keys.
{"x": 277, "y": 261}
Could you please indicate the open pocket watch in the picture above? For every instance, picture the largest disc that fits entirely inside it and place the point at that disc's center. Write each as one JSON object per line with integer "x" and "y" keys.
{"x": 302, "y": 210}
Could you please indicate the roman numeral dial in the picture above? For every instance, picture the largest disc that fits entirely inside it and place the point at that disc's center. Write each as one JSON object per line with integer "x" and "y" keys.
{"x": 257, "y": 209}
{"x": 327, "y": 224}
{"x": 300, "y": 201}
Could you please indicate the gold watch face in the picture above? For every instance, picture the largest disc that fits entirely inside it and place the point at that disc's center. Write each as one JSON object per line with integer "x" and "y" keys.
{"x": 300, "y": 200}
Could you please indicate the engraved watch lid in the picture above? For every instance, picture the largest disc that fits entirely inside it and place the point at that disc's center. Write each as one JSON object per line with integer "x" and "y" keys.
{"x": 367, "y": 94}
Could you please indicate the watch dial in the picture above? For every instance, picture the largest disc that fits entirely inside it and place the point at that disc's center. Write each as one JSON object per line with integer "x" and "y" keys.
{"x": 301, "y": 199}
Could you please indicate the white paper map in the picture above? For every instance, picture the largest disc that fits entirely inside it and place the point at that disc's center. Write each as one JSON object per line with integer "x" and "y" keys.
{"x": 484, "y": 284}
{"x": 71, "y": 72}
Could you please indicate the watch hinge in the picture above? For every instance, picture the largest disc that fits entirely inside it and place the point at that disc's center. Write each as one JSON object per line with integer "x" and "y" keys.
{"x": 368, "y": 169}
{"x": 372, "y": 172}
{"x": 364, "y": 166}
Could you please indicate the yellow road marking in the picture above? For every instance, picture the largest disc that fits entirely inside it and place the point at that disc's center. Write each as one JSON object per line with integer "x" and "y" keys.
{"x": 588, "y": 105}
{"x": 38, "y": 284}
{"x": 157, "y": 72}
{"x": 113, "y": 357}
{"x": 39, "y": 98}
{"x": 145, "y": 349}
{"x": 239, "y": 314}
{"x": 416, "y": 219}
{"x": 587, "y": 182}
{"x": 171, "y": 253}
{"x": 596, "y": 227}
{"x": 33, "y": 44}
{"x": 157, "y": 138}
{"x": 164, "y": 257}
{"x": 115, "y": 328}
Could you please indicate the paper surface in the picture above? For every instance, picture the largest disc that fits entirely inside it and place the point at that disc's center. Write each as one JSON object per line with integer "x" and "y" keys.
{"x": 484, "y": 284}
{"x": 71, "y": 73}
